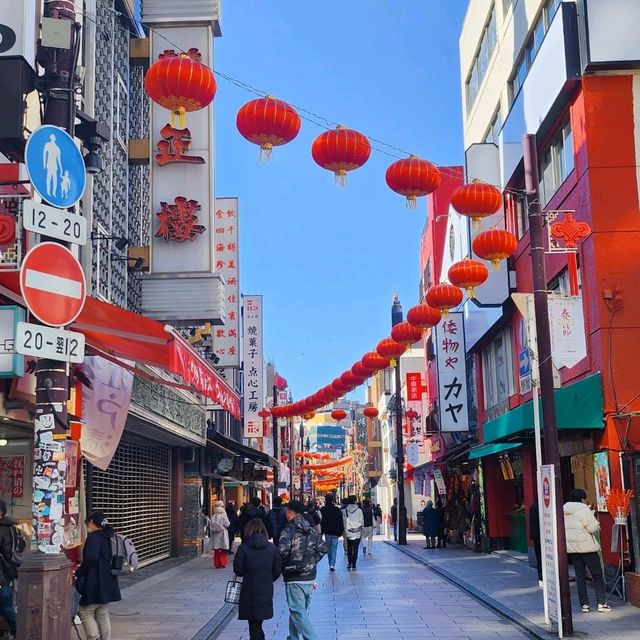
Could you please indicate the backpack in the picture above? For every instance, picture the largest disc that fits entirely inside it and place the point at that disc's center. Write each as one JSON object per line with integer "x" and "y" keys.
{"x": 124, "y": 557}
{"x": 18, "y": 548}
{"x": 215, "y": 526}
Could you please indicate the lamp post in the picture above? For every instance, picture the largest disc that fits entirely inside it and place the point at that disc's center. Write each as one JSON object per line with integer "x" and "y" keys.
{"x": 396, "y": 318}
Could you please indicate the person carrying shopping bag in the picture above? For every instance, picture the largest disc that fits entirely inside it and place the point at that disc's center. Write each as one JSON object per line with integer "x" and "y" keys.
{"x": 219, "y": 527}
{"x": 259, "y": 564}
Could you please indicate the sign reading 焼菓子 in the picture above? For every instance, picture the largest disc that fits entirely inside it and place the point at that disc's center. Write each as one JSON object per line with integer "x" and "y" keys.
{"x": 568, "y": 339}
{"x": 226, "y": 339}
{"x": 252, "y": 366}
{"x": 452, "y": 373}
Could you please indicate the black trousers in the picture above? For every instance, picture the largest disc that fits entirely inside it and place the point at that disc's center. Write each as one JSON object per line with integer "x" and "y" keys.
{"x": 537, "y": 547}
{"x": 352, "y": 551}
{"x": 591, "y": 561}
{"x": 255, "y": 630}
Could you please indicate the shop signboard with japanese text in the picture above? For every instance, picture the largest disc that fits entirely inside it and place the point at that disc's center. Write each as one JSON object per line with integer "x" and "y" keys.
{"x": 11, "y": 477}
{"x": 568, "y": 339}
{"x": 226, "y": 339}
{"x": 452, "y": 374}
{"x": 253, "y": 366}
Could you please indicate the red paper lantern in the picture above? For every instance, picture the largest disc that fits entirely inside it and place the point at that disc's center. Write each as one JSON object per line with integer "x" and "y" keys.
{"x": 7, "y": 230}
{"x": 389, "y": 348}
{"x": 340, "y": 387}
{"x": 468, "y": 274}
{"x": 278, "y": 411}
{"x": 180, "y": 83}
{"x": 309, "y": 415}
{"x": 338, "y": 414}
{"x": 370, "y": 412}
{"x": 406, "y": 333}
{"x": 495, "y": 245}
{"x": 412, "y": 178}
{"x": 477, "y": 200}
{"x": 360, "y": 371}
{"x": 350, "y": 379}
{"x": 444, "y": 297}
{"x": 341, "y": 150}
{"x": 374, "y": 361}
{"x": 268, "y": 122}
{"x": 423, "y": 316}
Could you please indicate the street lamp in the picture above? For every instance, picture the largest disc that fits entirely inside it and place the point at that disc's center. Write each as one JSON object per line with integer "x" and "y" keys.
{"x": 396, "y": 318}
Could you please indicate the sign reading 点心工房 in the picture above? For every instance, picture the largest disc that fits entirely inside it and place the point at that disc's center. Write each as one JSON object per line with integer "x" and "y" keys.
{"x": 252, "y": 366}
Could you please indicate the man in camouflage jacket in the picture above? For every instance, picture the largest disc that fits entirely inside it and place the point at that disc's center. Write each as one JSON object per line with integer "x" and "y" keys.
{"x": 301, "y": 549}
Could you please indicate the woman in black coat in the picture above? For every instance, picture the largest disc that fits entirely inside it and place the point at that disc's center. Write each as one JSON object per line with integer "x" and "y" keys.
{"x": 430, "y": 525}
{"x": 94, "y": 581}
{"x": 259, "y": 564}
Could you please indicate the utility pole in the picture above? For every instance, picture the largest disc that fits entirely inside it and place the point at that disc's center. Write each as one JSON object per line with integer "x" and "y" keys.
{"x": 276, "y": 453}
{"x": 396, "y": 318}
{"x": 541, "y": 305}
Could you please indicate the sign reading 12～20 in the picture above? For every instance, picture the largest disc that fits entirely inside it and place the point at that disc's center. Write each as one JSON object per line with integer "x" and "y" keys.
{"x": 55, "y": 166}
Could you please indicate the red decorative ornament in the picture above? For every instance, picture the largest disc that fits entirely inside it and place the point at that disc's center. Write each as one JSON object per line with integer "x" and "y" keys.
{"x": 338, "y": 414}
{"x": 370, "y": 412}
{"x": 444, "y": 297}
{"x": 350, "y": 379}
{"x": 268, "y": 122}
{"x": 278, "y": 411}
{"x": 423, "y": 316}
{"x": 360, "y": 371}
{"x": 468, "y": 274}
{"x": 7, "y": 230}
{"x": 495, "y": 245}
{"x": 413, "y": 178}
{"x": 340, "y": 387}
{"x": 341, "y": 150}
{"x": 180, "y": 83}
{"x": 406, "y": 334}
{"x": 309, "y": 415}
{"x": 476, "y": 200}
{"x": 264, "y": 414}
{"x": 389, "y": 348}
{"x": 375, "y": 362}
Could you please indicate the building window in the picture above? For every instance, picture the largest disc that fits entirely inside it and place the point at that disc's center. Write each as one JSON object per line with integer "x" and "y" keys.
{"x": 483, "y": 56}
{"x": 531, "y": 46}
{"x": 557, "y": 163}
{"x": 497, "y": 370}
{"x": 560, "y": 284}
{"x": 494, "y": 128}
{"x": 506, "y": 5}
{"x": 121, "y": 116}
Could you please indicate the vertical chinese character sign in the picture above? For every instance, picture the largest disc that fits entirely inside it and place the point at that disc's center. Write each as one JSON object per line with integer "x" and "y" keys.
{"x": 452, "y": 375}
{"x": 253, "y": 365}
{"x": 226, "y": 339}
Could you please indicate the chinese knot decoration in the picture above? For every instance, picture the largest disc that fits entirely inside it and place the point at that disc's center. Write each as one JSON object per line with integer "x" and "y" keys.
{"x": 476, "y": 200}
{"x": 444, "y": 297}
{"x": 178, "y": 221}
{"x": 268, "y": 122}
{"x": 341, "y": 150}
{"x": 570, "y": 230}
{"x": 406, "y": 333}
{"x": 413, "y": 178}
{"x": 180, "y": 83}
{"x": 495, "y": 245}
{"x": 468, "y": 274}
{"x": 423, "y": 316}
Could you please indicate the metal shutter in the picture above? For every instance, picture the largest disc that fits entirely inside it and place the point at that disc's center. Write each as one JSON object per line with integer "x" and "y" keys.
{"x": 135, "y": 494}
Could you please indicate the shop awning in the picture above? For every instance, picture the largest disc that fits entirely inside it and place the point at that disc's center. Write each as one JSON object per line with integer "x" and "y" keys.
{"x": 242, "y": 450}
{"x": 578, "y": 406}
{"x": 122, "y": 335}
{"x": 482, "y": 450}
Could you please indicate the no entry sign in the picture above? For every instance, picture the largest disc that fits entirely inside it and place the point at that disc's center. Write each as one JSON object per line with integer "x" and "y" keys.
{"x": 52, "y": 284}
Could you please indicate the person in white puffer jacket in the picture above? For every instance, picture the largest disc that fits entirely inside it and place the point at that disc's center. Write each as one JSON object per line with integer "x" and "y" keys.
{"x": 580, "y": 524}
{"x": 353, "y": 524}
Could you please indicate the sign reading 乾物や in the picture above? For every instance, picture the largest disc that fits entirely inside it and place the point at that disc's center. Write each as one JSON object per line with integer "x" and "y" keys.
{"x": 253, "y": 365}
{"x": 452, "y": 374}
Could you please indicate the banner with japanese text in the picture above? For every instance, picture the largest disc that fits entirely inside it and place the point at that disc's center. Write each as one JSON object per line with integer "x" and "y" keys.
{"x": 452, "y": 375}
{"x": 568, "y": 339}
{"x": 252, "y": 365}
{"x": 226, "y": 339}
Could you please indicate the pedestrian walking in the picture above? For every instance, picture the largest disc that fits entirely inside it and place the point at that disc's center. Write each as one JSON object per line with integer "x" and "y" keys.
{"x": 259, "y": 564}
{"x": 378, "y": 514}
{"x": 301, "y": 549}
{"x": 580, "y": 526}
{"x": 332, "y": 526}
{"x": 353, "y": 523}
{"x": 430, "y": 525}
{"x": 219, "y": 527}
{"x": 367, "y": 528}
{"x": 534, "y": 534}
{"x": 8, "y": 569}
{"x": 442, "y": 523}
{"x": 234, "y": 523}
{"x": 393, "y": 518}
{"x": 95, "y": 583}
{"x": 277, "y": 519}
{"x": 251, "y": 512}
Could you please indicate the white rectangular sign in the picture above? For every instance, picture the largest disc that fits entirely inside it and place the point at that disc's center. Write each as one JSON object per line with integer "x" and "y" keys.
{"x": 226, "y": 339}
{"x": 46, "y": 342}
{"x": 452, "y": 373}
{"x": 55, "y": 223}
{"x": 568, "y": 339}
{"x": 549, "y": 545}
{"x": 252, "y": 365}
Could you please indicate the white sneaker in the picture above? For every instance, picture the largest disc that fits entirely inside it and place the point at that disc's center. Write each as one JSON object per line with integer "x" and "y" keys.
{"x": 603, "y": 608}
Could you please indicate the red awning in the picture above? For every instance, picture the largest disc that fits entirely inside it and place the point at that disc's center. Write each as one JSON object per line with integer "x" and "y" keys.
{"x": 123, "y": 335}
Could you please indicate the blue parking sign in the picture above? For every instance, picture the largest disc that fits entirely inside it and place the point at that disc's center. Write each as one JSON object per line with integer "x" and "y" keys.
{"x": 55, "y": 166}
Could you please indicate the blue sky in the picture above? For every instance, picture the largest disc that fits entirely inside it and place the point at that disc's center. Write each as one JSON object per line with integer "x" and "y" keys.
{"x": 327, "y": 260}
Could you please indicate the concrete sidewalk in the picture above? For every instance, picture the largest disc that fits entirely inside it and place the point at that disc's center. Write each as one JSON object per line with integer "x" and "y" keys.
{"x": 511, "y": 586}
